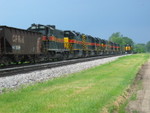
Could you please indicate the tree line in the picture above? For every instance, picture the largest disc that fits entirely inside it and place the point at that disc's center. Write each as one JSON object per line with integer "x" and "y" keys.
{"x": 137, "y": 48}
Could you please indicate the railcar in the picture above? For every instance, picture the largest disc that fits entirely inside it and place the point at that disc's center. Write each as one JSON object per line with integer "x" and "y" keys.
{"x": 18, "y": 45}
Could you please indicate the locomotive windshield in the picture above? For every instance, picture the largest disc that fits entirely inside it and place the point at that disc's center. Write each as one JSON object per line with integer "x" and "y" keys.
{"x": 40, "y": 29}
{"x": 69, "y": 33}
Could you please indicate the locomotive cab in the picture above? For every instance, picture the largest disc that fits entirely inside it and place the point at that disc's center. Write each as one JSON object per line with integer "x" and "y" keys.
{"x": 45, "y": 30}
{"x": 52, "y": 39}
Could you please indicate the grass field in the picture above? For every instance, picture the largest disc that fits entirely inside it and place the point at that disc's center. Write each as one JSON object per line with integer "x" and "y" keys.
{"x": 88, "y": 91}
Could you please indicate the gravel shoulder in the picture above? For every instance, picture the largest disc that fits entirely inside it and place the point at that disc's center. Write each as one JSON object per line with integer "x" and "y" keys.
{"x": 43, "y": 75}
{"x": 142, "y": 103}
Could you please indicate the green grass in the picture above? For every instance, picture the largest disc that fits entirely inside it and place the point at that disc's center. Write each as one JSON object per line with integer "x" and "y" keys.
{"x": 88, "y": 91}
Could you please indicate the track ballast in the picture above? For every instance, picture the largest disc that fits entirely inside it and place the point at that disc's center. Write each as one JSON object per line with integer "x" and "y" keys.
{"x": 33, "y": 67}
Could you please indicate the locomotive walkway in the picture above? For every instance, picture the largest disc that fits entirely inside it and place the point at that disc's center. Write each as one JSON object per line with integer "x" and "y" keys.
{"x": 142, "y": 103}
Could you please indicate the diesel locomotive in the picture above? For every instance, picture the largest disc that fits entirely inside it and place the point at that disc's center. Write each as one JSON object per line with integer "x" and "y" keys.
{"x": 71, "y": 44}
{"x": 45, "y": 43}
{"x": 128, "y": 49}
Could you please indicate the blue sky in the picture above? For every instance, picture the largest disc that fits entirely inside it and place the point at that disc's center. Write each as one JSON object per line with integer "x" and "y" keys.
{"x": 99, "y": 18}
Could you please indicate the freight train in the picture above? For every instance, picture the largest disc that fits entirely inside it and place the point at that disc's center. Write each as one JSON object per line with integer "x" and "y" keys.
{"x": 46, "y": 43}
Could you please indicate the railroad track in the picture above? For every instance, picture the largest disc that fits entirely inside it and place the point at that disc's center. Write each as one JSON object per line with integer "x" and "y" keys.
{"x": 28, "y": 68}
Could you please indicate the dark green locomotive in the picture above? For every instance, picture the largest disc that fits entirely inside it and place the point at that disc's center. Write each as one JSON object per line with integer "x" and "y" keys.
{"x": 52, "y": 41}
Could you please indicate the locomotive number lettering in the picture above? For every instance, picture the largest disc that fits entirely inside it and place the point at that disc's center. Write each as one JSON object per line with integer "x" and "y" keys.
{"x": 18, "y": 39}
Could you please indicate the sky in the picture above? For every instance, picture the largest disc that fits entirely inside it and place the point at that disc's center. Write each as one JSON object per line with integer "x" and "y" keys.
{"x": 99, "y": 18}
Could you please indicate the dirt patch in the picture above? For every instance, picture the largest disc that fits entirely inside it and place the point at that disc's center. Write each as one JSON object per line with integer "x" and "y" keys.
{"x": 142, "y": 102}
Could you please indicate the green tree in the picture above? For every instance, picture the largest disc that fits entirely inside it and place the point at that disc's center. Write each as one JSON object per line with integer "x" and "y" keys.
{"x": 118, "y": 38}
{"x": 127, "y": 40}
{"x": 148, "y": 46}
{"x": 139, "y": 48}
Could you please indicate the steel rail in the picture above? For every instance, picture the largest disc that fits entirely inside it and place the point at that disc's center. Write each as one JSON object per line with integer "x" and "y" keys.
{"x": 32, "y": 67}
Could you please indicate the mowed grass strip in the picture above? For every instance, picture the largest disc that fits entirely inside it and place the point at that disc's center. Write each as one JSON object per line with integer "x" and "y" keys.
{"x": 83, "y": 92}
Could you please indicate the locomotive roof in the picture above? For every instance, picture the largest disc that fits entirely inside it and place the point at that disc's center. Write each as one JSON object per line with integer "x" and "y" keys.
{"x": 52, "y": 27}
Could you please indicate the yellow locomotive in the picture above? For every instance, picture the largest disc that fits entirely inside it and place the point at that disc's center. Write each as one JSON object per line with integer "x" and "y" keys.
{"x": 128, "y": 48}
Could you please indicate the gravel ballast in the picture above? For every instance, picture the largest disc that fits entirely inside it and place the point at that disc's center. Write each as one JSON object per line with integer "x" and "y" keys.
{"x": 43, "y": 75}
